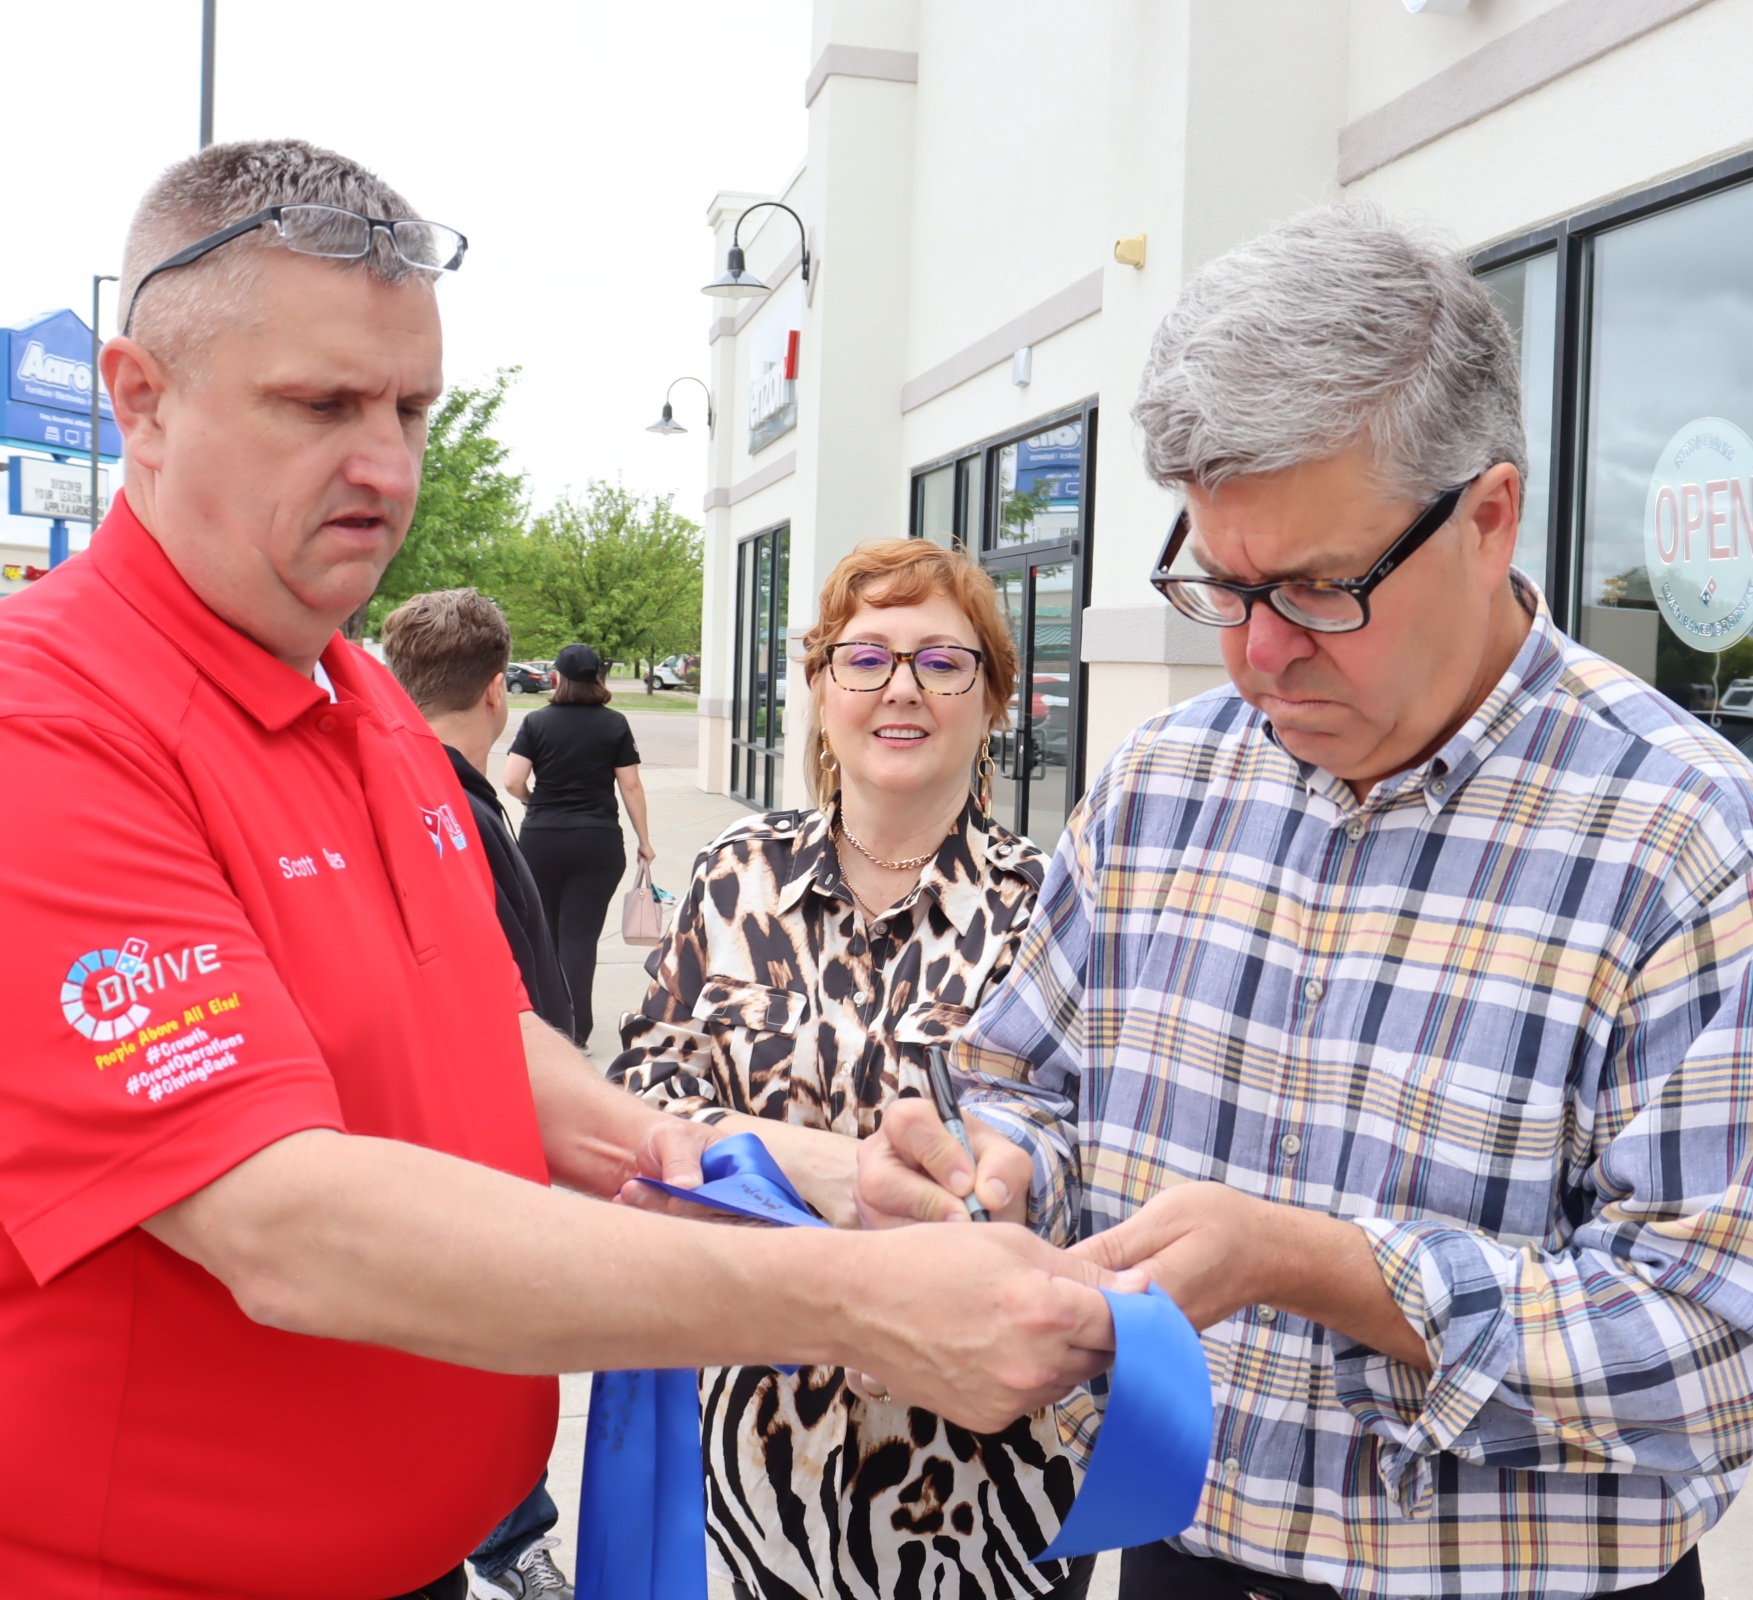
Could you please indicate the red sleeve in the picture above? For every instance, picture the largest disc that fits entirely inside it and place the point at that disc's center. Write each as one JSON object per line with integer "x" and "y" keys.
{"x": 152, "y": 1045}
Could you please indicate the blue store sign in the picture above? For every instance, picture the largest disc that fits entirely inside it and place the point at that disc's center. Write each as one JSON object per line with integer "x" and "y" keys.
{"x": 48, "y": 387}
{"x": 1056, "y": 457}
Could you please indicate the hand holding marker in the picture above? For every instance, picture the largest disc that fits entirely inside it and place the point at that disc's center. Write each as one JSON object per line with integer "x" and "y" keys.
{"x": 943, "y": 1093}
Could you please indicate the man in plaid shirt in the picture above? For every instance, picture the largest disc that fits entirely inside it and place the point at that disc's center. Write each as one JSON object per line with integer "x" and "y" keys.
{"x": 1393, "y": 1006}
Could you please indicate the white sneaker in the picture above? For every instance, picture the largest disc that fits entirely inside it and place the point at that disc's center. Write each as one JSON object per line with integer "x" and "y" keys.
{"x": 532, "y": 1574}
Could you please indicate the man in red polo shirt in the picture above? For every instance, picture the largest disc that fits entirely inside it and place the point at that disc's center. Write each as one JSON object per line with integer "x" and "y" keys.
{"x": 279, "y": 1265}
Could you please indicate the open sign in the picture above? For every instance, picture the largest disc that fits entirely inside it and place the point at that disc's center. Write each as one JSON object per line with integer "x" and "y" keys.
{"x": 1698, "y": 533}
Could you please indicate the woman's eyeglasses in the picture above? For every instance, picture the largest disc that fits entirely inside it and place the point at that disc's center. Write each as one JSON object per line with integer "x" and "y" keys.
{"x": 938, "y": 669}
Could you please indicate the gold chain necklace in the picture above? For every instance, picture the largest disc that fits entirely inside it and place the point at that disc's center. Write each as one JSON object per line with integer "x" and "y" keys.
{"x": 909, "y": 864}
{"x": 859, "y": 901}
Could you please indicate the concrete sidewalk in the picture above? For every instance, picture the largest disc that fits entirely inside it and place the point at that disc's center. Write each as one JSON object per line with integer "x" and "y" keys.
{"x": 683, "y": 821}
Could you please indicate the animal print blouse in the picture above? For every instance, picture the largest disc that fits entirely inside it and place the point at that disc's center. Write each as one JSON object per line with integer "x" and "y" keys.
{"x": 772, "y": 998}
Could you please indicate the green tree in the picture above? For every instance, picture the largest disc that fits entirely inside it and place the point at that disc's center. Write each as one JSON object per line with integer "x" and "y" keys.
{"x": 620, "y": 573}
{"x": 472, "y": 509}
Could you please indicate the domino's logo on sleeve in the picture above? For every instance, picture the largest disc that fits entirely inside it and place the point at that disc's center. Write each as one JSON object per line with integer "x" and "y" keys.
{"x": 441, "y": 824}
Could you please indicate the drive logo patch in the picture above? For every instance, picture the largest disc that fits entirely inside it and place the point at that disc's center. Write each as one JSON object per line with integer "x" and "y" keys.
{"x": 103, "y": 994}
{"x": 442, "y": 824}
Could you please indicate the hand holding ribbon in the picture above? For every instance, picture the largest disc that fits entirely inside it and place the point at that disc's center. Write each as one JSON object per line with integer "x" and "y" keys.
{"x": 642, "y": 1508}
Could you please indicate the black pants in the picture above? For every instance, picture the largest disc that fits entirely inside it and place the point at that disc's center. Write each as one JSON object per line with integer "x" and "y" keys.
{"x": 452, "y": 1586}
{"x": 577, "y": 871}
{"x": 1161, "y": 1572}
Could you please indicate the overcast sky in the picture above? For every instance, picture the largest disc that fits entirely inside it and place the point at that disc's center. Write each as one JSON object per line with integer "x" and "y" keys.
{"x": 576, "y": 143}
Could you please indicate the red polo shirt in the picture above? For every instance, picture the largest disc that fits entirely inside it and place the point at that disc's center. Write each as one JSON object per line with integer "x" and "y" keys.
{"x": 230, "y": 910}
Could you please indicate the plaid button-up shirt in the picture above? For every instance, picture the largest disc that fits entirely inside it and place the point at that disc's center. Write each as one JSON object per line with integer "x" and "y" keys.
{"x": 1500, "y": 1015}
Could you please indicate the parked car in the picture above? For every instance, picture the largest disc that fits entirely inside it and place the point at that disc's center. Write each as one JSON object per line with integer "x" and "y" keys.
{"x": 527, "y": 677}
{"x": 675, "y": 672}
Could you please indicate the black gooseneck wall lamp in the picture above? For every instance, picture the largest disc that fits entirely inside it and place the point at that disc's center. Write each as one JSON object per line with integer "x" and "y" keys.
{"x": 667, "y": 422}
{"x": 736, "y": 282}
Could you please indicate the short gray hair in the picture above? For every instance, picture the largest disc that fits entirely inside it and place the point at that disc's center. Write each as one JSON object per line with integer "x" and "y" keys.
{"x": 1336, "y": 328}
{"x": 224, "y": 184}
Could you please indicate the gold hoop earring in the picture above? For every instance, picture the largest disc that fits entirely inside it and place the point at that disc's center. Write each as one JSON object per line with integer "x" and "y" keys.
{"x": 986, "y": 767}
{"x": 825, "y": 757}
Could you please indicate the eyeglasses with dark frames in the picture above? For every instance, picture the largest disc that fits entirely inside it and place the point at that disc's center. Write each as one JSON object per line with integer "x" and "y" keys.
{"x": 864, "y": 666}
{"x": 330, "y": 231}
{"x": 1321, "y": 605}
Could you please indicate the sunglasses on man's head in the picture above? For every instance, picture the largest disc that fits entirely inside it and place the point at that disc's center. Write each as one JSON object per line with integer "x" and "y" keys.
{"x": 329, "y": 231}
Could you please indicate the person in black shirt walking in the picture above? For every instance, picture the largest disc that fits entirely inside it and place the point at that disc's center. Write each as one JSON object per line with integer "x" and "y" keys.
{"x": 578, "y": 751}
{"x": 449, "y": 650}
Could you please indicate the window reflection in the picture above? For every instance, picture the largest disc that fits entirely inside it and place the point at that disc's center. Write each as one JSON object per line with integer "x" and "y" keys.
{"x": 1040, "y": 486}
{"x": 1671, "y": 345}
{"x": 936, "y": 511}
{"x": 1526, "y": 293}
{"x": 1052, "y": 686}
{"x": 1007, "y": 741}
{"x": 757, "y": 729}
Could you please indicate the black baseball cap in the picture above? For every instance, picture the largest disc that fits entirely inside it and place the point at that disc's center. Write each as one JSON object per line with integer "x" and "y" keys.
{"x": 579, "y": 663}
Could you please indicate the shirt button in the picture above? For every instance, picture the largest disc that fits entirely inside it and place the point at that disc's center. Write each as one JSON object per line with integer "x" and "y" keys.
{"x": 1290, "y": 1144}
{"x": 1268, "y": 1314}
{"x": 1439, "y": 787}
{"x": 325, "y": 724}
{"x": 861, "y": 998}
{"x": 1313, "y": 989}
{"x": 879, "y": 927}
{"x": 1232, "y": 1468}
{"x": 1354, "y": 830}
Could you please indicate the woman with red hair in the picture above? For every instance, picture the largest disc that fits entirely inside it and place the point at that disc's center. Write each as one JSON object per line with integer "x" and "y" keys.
{"x": 814, "y": 959}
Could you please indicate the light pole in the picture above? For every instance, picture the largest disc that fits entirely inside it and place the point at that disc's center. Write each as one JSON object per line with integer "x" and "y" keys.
{"x": 209, "y": 22}
{"x": 97, "y": 279}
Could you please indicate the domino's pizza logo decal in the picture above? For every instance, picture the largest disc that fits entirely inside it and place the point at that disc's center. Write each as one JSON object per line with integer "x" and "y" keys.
{"x": 109, "y": 996}
{"x": 99, "y": 997}
{"x": 441, "y": 824}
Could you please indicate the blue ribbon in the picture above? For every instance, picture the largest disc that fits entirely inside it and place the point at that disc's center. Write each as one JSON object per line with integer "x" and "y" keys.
{"x": 642, "y": 1507}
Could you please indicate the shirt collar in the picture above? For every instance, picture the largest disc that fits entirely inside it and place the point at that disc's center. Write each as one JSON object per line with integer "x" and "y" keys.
{"x": 1441, "y": 775}
{"x": 135, "y": 565}
{"x": 474, "y": 781}
{"x": 953, "y": 878}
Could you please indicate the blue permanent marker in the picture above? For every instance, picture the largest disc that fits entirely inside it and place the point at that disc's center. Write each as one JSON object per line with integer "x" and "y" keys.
{"x": 943, "y": 1094}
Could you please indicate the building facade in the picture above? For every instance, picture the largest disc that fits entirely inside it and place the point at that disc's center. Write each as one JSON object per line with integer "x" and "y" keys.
{"x": 1001, "y": 198}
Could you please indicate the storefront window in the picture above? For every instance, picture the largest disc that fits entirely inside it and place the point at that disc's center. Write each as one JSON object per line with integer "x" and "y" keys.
{"x": 935, "y": 509}
{"x": 1667, "y": 547}
{"x": 758, "y": 716}
{"x": 1527, "y": 294}
{"x": 1033, "y": 541}
{"x": 1040, "y": 486}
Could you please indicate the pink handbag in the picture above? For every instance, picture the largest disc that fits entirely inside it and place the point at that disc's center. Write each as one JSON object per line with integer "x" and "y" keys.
{"x": 644, "y": 916}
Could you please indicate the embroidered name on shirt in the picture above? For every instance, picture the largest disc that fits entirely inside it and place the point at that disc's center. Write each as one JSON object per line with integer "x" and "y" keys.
{"x": 306, "y": 866}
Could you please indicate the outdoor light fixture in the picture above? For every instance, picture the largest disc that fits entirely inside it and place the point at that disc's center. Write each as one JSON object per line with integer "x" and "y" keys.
{"x": 667, "y": 422}
{"x": 737, "y": 282}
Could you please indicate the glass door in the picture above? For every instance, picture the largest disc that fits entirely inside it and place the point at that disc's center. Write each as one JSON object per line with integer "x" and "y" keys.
{"x": 1021, "y": 503}
{"x": 758, "y": 711}
{"x": 1034, "y": 787}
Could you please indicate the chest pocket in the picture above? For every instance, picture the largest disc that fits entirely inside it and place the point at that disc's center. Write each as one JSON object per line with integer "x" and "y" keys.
{"x": 754, "y": 1034}
{"x": 736, "y": 1003}
{"x": 931, "y": 1022}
